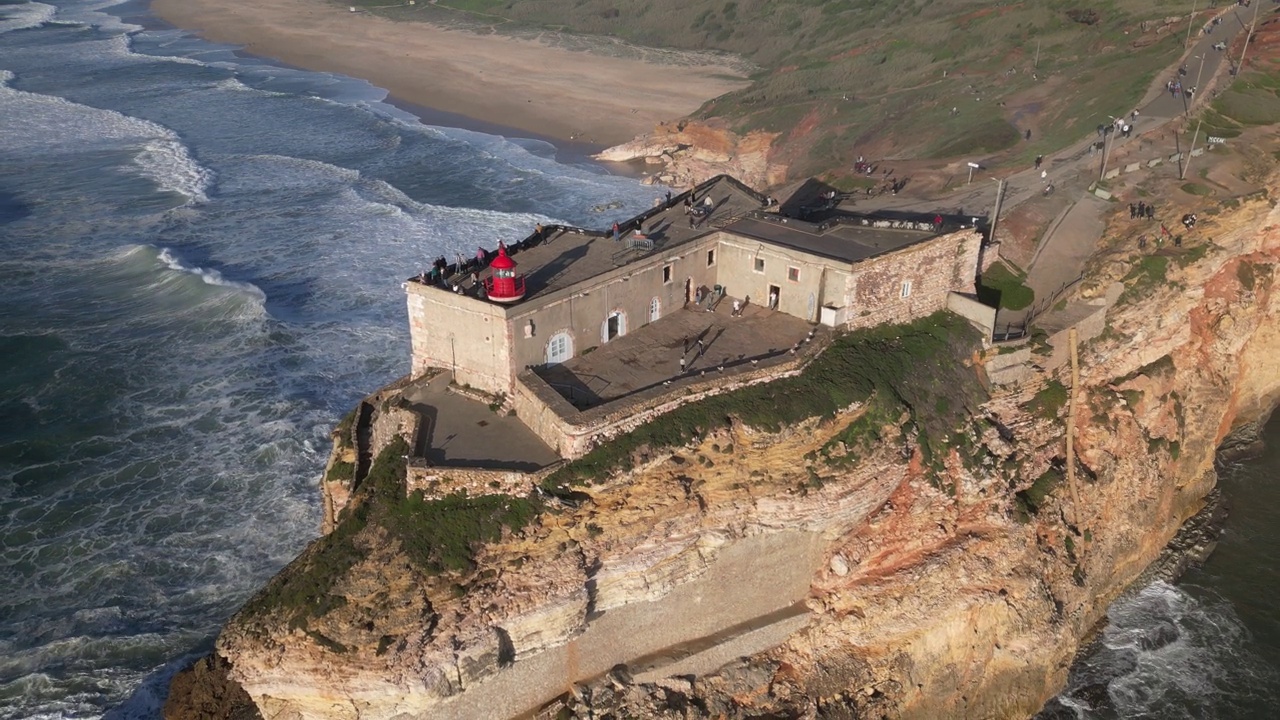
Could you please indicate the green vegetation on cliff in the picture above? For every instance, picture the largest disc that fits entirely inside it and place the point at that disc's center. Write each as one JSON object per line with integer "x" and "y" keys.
{"x": 921, "y": 367}
{"x": 436, "y": 535}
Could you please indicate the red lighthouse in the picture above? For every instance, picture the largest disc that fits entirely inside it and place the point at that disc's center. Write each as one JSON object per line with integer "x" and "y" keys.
{"x": 505, "y": 286}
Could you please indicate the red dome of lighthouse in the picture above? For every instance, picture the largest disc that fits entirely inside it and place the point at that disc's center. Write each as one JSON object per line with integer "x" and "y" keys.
{"x": 505, "y": 285}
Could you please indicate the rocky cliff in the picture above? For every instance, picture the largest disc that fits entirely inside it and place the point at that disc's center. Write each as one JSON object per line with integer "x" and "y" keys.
{"x": 859, "y": 564}
{"x": 690, "y": 151}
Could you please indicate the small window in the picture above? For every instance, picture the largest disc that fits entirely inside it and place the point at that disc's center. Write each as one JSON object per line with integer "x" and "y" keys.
{"x": 711, "y": 258}
{"x": 906, "y": 288}
{"x": 793, "y": 274}
{"x": 666, "y": 274}
{"x": 759, "y": 264}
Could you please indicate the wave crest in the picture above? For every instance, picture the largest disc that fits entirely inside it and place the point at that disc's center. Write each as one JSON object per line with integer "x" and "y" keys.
{"x": 210, "y": 277}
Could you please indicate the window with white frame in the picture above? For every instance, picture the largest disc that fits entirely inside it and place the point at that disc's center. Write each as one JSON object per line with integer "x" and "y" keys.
{"x": 906, "y": 288}
{"x": 559, "y": 348}
{"x": 793, "y": 274}
{"x": 759, "y": 266}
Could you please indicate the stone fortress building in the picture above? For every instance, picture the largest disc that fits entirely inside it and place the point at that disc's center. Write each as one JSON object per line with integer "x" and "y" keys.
{"x": 586, "y": 334}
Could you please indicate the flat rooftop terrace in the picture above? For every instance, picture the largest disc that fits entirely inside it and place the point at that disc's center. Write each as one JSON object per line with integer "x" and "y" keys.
{"x": 849, "y": 243}
{"x": 712, "y": 343}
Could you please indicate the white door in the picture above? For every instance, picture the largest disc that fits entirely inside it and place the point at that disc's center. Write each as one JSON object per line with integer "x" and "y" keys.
{"x": 615, "y": 325}
{"x": 559, "y": 348}
{"x": 655, "y": 309}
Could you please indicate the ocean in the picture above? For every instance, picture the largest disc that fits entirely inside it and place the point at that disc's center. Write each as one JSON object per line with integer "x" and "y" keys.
{"x": 201, "y": 258}
{"x": 200, "y": 265}
{"x": 1207, "y": 648}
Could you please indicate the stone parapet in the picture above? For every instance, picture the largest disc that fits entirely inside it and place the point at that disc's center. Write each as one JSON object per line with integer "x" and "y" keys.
{"x": 437, "y": 482}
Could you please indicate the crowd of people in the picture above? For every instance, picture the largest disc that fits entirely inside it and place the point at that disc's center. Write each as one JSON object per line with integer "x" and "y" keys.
{"x": 452, "y": 277}
{"x": 1142, "y": 210}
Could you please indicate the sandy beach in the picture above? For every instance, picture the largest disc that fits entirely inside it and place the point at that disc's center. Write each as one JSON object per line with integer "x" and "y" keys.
{"x": 514, "y": 82}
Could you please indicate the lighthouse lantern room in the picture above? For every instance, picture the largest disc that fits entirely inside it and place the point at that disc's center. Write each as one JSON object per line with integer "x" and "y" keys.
{"x": 505, "y": 285}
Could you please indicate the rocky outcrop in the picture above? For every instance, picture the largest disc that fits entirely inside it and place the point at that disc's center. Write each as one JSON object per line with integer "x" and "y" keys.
{"x": 691, "y": 151}
{"x": 801, "y": 574}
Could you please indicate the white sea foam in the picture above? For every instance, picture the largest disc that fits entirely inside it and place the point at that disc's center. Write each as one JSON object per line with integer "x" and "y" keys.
{"x": 167, "y": 162}
{"x": 94, "y": 13}
{"x": 32, "y": 119}
{"x": 25, "y": 16}
{"x": 1168, "y": 654}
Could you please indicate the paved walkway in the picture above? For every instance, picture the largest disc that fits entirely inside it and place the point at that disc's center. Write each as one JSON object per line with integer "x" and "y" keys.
{"x": 460, "y": 432}
{"x": 1068, "y": 243}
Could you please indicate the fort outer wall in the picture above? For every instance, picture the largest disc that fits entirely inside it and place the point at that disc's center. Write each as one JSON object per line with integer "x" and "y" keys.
{"x": 487, "y": 344}
{"x": 875, "y": 296}
{"x": 460, "y": 333}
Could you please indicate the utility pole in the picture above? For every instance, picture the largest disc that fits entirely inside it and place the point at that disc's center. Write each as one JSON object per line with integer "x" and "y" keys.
{"x": 995, "y": 212}
{"x": 1190, "y": 22}
{"x": 1071, "y": 429}
{"x": 1107, "y": 142}
{"x": 1248, "y": 37}
{"x": 1186, "y": 165}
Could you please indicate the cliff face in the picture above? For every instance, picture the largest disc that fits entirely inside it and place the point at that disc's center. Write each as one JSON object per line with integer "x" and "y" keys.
{"x": 797, "y": 574}
{"x": 691, "y": 151}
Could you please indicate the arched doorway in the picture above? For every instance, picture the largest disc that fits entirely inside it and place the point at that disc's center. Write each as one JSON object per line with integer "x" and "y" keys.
{"x": 614, "y": 325}
{"x": 559, "y": 348}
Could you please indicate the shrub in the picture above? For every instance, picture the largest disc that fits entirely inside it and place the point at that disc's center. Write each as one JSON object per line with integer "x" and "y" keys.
{"x": 346, "y": 428}
{"x": 440, "y": 535}
{"x": 340, "y": 471}
{"x": 1029, "y": 502}
{"x": 1049, "y": 400}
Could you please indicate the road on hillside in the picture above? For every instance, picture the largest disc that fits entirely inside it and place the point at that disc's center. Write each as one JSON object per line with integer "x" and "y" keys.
{"x": 1074, "y": 168}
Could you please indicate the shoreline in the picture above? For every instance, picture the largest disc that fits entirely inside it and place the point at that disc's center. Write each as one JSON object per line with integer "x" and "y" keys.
{"x": 567, "y": 151}
{"x": 579, "y": 102}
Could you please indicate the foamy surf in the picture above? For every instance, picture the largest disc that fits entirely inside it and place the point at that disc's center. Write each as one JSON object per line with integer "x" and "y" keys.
{"x": 167, "y": 162}
{"x": 25, "y": 16}
{"x": 1165, "y": 654}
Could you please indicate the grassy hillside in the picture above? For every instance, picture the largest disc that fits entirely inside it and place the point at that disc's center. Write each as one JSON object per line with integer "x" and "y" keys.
{"x": 881, "y": 77}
